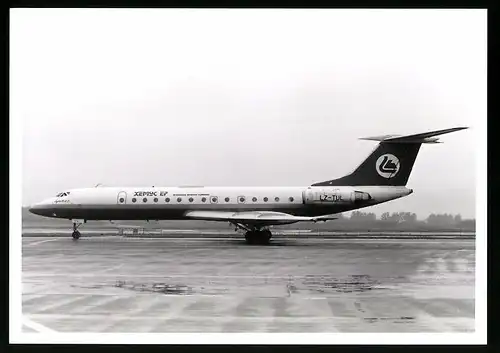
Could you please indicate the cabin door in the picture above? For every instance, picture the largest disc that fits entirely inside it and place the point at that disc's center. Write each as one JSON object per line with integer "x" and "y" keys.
{"x": 308, "y": 196}
{"x": 121, "y": 198}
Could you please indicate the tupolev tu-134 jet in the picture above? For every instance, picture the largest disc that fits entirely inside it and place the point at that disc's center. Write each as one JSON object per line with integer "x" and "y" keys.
{"x": 381, "y": 177}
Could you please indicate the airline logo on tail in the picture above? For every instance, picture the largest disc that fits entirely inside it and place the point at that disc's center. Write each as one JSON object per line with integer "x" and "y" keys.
{"x": 387, "y": 165}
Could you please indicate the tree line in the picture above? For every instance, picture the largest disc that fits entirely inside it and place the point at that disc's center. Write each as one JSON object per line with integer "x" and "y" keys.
{"x": 408, "y": 220}
{"x": 399, "y": 217}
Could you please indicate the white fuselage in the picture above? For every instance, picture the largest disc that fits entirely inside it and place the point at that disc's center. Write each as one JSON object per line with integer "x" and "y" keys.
{"x": 162, "y": 203}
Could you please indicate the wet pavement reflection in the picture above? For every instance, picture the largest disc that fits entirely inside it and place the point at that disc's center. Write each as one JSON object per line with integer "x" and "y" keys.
{"x": 112, "y": 284}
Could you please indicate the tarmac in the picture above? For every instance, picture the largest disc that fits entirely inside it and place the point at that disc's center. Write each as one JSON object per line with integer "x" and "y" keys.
{"x": 187, "y": 284}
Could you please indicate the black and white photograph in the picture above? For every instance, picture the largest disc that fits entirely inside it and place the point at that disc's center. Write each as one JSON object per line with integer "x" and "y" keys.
{"x": 248, "y": 176}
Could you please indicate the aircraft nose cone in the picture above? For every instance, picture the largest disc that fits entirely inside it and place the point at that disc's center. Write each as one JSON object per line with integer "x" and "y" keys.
{"x": 35, "y": 209}
{"x": 38, "y": 209}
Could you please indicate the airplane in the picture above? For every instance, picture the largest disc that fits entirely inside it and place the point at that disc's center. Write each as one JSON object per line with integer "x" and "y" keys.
{"x": 381, "y": 177}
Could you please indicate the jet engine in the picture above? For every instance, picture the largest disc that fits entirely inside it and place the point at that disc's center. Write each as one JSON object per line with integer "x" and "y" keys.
{"x": 325, "y": 196}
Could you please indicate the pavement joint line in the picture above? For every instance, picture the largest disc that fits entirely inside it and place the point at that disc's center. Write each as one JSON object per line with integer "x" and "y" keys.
{"x": 61, "y": 303}
{"x": 121, "y": 317}
{"x": 434, "y": 322}
{"x": 36, "y": 326}
{"x": 243, "y": 276}
{"x": 153, "y": 300}
{"x": 178, "y": 309}
{"x": 76, "y": 276}
{"x": 40, "y": 242}
{"x": 62, "y": 293}
{"x": 238, "y": 239}
{"x": 109, "y": 269}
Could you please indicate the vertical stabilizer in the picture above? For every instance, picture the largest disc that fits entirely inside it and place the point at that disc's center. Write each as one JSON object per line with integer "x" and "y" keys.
{"x": 391, "y": 163}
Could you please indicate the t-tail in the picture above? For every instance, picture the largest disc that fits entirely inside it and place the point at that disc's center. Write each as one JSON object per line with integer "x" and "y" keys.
{"x": 390, "y": 164}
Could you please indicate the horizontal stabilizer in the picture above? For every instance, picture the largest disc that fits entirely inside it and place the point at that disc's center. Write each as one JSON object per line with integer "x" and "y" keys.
{"x": 426, "y": 137}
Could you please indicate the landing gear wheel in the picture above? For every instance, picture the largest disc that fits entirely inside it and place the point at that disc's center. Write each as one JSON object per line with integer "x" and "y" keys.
{"x": 258, "y": 237}
{"x": 76, "y": 235}
{"x": 250, "y": 237}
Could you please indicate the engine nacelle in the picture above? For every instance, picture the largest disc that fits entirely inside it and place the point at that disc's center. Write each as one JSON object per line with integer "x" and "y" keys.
{"x": 332, "y": 195}
{"x": 361, "y": 196}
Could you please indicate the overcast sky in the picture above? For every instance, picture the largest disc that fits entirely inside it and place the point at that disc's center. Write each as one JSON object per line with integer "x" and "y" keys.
{"x": 245, "y": 97}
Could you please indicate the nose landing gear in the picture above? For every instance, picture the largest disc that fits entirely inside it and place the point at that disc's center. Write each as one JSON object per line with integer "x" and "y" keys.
{"x": 76, "y": 234}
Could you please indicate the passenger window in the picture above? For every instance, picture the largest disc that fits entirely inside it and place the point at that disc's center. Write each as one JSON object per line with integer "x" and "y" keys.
{"x": 190, "y": 199}
{"x": 226, "y": 199}
{"x": 214, "y": 199}
{"x": 167, "y": 199}
{"x": 242, "y": 199}
{"x": 145, "y": 200}
{"x": 291, "y": 199}
{"x": 122, "y": 200}
{"x": 254, "y": 199}
{"x": 179, "y": 199}
{"x": 134, "y": 199}
{"x": 276, "y": 199}
{"x": 203, "y": 199}
{"x": 155, "y": 199}
{"x": 265, "y": 199}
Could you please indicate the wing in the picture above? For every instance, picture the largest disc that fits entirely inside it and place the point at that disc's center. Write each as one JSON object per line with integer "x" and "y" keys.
{"x": 254, "y": 217}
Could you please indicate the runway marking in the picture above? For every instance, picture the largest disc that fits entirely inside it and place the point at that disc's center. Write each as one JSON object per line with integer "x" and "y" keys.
{"x": 37, "y": 326}
{"x": 40, "y": 242}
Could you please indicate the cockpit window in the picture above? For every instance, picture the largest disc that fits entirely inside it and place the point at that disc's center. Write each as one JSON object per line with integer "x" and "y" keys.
{"x": 61, "y": 194}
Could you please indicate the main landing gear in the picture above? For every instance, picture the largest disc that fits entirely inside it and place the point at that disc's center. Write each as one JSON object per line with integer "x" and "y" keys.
{"x": 254, "y": 235}
{"x": 76, "y": 234}
{"x": 258, "y": 237}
